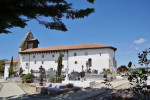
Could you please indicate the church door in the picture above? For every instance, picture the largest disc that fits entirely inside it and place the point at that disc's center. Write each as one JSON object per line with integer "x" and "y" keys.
{"x": 90, "y": 64}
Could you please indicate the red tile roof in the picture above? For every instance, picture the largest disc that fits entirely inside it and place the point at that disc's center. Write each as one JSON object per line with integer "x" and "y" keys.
{"x": 68, "y": 47}
{"x": 14, "y": 61}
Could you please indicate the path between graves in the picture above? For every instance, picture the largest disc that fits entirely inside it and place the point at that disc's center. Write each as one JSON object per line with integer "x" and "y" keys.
{"x": 10, "y": 90}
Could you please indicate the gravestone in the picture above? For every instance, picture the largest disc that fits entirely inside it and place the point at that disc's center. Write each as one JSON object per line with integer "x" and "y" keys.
{"x": 148, "y": 80}
{"x": 74, "y": 76}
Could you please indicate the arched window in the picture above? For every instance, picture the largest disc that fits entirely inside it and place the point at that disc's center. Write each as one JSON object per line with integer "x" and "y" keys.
{"x": 90, "y": 62}
{"x": 75, "y": 62}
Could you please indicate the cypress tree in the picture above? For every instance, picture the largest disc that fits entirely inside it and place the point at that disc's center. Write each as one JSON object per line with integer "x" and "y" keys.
{"x": 20, "y": 71}
{"x": 11, "y": 67}
{"x": 59, "y": 67}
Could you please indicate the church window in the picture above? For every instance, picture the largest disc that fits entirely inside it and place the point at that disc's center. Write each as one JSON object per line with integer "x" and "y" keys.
{"x": 42, "y": 56}
{"x": 75, "y": 54}
{"x": 42, "y": 62}
{"x": 35, "y": 62}
{"x": 34, "y": 56}
{"x": 27, "y": 64}
{"x": 56, "y": 61}
{"x": 53, "y": 55}
{"x": 62, "y": 66}
{"x": 100, "y": 54}
{"x": 62, "y": 55}
{"x": 90, "y": 62}
{"x": 86, "y": 53}
{"x": 75, "y": 62}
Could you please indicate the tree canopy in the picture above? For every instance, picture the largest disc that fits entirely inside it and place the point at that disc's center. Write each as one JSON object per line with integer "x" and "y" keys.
{"x": 122, "y": 68}
{"x": 2, "y": 64}
{"x": 16, "y": 13}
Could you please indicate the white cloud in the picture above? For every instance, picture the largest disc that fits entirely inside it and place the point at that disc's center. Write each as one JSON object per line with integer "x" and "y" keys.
{"x": 136, "y": 48}
{"x": 139, "y": 41}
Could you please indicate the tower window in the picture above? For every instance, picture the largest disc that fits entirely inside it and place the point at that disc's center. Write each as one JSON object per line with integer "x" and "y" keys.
{"x": 100, "y": 54}
{"x": 42, "y": 56}
{"x": 53, "y": 55}
{"x": 35, "y": 62}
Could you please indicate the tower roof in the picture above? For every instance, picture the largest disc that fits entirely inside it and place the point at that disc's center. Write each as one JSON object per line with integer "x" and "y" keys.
{"x": 26, "y": 37}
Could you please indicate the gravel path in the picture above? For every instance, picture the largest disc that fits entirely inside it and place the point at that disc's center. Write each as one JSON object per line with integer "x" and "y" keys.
{"x": 120, "y": 88}
{"x": 10, "y": 90}
{"x": 84, "y": 94}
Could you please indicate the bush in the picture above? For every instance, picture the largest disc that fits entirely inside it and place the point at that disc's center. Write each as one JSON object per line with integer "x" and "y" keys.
{"x": 59, "y": 78}
{"x": 41, "y": 80}
{"x": 27, "y": 78}
{"x": 52, "y": 78}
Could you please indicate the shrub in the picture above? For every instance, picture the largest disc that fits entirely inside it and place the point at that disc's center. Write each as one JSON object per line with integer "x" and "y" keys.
{"x": 52, "y": 78}
{"x": 41, "y": 80}
{"x": 27, "y": 78}
{"x": 59, "y": 78}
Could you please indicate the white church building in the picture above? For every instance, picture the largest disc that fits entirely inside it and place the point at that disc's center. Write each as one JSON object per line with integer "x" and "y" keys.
{"x": 91, "y": 56}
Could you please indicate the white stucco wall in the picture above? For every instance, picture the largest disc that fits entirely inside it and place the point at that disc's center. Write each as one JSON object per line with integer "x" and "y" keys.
{"x": 6, "y": 70}
{"x": 48, "y": 61}
{"x": 98, "y": 61}
{"x": 112, "y": 58}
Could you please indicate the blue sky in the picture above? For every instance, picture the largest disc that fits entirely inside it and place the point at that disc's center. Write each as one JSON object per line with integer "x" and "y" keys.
{"x": 124, "y": 24}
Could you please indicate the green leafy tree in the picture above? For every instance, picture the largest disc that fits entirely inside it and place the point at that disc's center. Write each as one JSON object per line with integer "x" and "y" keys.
{"x": 130, "y": 64}
{"x": 2, "y": 64}
{"x": 59, "y": 67}
{"x": 11, "y": 72}
{"x": 143, "y": 58}
{"x": 16, "y": 13}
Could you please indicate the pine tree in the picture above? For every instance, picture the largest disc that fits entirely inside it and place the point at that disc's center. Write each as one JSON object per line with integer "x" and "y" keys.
{"x": 59, "y": 67}
{"x": 16, "y": 13}
{"x": 11, "y": 67}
